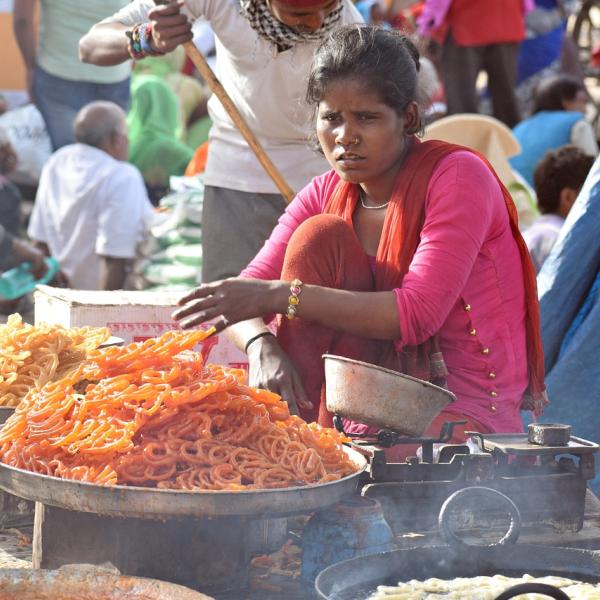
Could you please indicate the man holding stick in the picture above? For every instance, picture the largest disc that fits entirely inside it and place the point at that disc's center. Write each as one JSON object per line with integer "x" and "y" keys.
{"x": 264, "y": 52}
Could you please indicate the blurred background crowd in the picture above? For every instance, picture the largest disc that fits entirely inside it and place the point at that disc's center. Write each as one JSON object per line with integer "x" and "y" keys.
{"x": 515, "y": 81}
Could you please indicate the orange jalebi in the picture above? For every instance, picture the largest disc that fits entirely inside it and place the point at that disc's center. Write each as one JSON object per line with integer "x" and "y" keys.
{"x": 32, "y": 356}
{"x": 152, "y": 414}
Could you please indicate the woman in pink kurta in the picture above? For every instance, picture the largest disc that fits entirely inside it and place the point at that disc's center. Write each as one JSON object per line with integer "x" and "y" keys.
{"x": 461, "y": 284}
{"x": 407, "y": 252}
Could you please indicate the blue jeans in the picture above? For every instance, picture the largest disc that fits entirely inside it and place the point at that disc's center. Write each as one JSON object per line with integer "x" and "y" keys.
{"x": 59, "y": 100}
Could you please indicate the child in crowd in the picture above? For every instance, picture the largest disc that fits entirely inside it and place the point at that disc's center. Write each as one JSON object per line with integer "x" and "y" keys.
{"x": 558, "y": 179}
{"x": 558, "y": 119}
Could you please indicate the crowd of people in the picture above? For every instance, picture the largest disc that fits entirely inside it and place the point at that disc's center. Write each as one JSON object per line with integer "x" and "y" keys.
{"x": 401, "y": 252}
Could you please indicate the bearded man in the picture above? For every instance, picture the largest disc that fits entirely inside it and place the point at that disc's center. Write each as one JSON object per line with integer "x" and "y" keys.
{"x": 264, "y": 50}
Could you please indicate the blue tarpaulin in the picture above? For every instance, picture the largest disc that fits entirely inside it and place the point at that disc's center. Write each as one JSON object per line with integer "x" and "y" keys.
{"x": 569, "y": 290}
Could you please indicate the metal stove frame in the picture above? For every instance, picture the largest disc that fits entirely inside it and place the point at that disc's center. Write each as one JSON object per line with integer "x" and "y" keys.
{"x": 548, "y": 485}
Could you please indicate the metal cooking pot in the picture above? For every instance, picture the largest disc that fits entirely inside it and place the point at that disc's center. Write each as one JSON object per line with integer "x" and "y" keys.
{"x": 381, "y": 397}
{"x": 87, "y": 582}
{"x": 358, "y": 578}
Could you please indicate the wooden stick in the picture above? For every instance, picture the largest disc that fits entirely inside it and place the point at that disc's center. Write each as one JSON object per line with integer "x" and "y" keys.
{"x": 219, "y": 91}
{"x": 238, "y": 120}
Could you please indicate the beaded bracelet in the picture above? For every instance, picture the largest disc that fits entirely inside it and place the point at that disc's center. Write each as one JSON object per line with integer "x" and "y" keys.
{"x": 294, "y": 299}
{"x": 140, "y": 41}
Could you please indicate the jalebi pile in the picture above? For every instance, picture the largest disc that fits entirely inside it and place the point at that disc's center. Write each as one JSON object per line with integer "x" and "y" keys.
{"x": 152, "y": 414}
{"x": 32, "y": 356}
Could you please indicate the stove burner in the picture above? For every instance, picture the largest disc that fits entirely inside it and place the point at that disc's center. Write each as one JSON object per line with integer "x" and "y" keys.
{"x": 387, "y": 438}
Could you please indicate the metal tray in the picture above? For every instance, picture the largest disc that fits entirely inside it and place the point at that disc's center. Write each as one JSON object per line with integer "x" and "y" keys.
{"x": 150, "y": 503}
{"x": 518, "y": 443}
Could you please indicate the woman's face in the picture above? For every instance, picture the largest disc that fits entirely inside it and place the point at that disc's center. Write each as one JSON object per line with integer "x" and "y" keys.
{"x": 363, "y": 139}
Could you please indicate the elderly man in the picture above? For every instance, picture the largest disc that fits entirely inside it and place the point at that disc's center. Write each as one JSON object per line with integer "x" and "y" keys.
{"x": 264, "y": 51}
{"x": 92, "y": 208}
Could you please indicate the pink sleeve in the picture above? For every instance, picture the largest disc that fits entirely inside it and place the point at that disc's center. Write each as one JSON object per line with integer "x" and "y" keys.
{"x": 433, "y": 15}
{"x": 461, "y": 200}
{"x": 310, "y": 201}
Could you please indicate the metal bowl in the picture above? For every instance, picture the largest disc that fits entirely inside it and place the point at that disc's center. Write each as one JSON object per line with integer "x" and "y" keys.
{"x": 86, "y": 582}
{"x": 381, "y": 397}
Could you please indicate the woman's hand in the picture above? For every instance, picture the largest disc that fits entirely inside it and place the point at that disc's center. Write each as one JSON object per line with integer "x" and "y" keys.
{"x": 170, "y": 27}
{"x": 270, "y": 368}
{"x": 236, "y": 299}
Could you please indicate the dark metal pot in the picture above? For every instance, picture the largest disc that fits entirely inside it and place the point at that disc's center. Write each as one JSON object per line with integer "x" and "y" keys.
{"x": 357, "y": 578}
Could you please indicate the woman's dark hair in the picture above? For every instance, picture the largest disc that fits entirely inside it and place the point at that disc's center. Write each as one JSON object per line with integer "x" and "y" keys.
{"x": 566, "y": 167}
{"x": 385, "y": 61}
{"x": 551, "y": 92}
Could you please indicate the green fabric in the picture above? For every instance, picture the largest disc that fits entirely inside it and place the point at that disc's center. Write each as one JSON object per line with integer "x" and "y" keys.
{"x": 187, "y": 89}
{"x": 197, "y": 133}
{"x": 153, "y": 123}
{"x": 161, "y": 66}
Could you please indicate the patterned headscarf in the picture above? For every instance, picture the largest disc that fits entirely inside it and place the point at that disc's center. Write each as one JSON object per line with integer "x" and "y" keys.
{"x": 261, "y": 19}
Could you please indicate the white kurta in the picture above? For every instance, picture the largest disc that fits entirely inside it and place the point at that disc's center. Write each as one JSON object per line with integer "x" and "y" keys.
{"x": 268, "y": 88}
{"x": 89, "y": 205}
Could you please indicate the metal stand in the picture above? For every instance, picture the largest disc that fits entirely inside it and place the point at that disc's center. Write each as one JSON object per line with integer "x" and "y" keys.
{"x": 386, "y": 438}
{"x": 210, "y": 555}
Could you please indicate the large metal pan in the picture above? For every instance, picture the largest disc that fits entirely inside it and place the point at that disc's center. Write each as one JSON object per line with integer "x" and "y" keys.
{"x": 380, "y": 397}
{"x": 149, "y": 503}
{"x": 84, "y": 582}
{"x": 357, "y": 578}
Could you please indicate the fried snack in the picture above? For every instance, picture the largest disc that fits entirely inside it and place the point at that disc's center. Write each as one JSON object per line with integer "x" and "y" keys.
{"x": 482, "y": 588}
{"x": 152, "y": 414}
{"x": 32, "y": 356}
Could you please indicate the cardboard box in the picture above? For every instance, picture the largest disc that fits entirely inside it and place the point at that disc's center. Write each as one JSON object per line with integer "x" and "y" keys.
{"x": 133, "y": 316}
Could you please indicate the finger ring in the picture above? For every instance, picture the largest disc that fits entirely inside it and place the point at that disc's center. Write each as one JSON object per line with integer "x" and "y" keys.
{"x": 225, "y": 321}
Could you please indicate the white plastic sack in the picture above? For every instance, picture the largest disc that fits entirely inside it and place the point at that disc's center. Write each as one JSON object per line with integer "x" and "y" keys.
{"x": 26, "y": 131}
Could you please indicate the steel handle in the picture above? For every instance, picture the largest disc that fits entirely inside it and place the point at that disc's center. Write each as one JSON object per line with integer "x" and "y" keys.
{"x": 458, "y": 497}
{"x": 533, "y": 588}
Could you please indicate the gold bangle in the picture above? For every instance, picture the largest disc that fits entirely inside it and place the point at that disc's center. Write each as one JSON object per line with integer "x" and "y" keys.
{"x": 294, "y": 299}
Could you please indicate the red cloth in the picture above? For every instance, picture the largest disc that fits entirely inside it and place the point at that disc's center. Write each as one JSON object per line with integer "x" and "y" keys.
{"x": 485, "y": 22}
{"x": 325, "y": 251}
{"x": 400, "y": 238}
{"x": 198, "y": 162}
{"x": 595, "y": 58}
{"x": 341, "y": 263}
